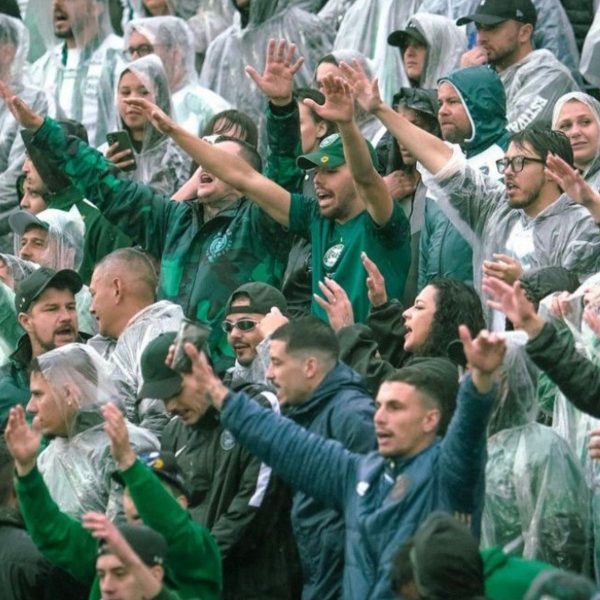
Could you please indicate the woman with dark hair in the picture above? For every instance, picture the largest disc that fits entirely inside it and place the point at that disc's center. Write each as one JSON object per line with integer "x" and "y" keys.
{"x": 234, "y": 123}
{"x": 393, "y": 337}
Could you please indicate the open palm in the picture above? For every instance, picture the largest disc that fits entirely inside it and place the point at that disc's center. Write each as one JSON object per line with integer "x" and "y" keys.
{"x": 22, "y": 441}
{"x": 365, "y": 91}
{"x": 339, "y": 103}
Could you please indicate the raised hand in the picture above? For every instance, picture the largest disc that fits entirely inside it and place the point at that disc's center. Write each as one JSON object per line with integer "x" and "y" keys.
{"x": 512, "y": 301}
{"x": 484, "y": 355}
{"x": 339, "y": 103}
{"x": 474, "y": 57}
{"x": 592, "y": 319}
{"x": 207, "y": 383}
{"x": 160, "y": 121}
{"x": 571, "y": 181}
{"x": 115, "y": 427}
{"x": 271, "y": 321}
{"x": 277, "y": 79}
{"x": 23, "y": 114}
{"x": 375, "y": 282}
{"x": 505, "y": 267}
{"x": 594, "y": 444}
{"x": 335, "y": 303}
{"x": 365, "y": 91}
{"x": 401, "y": 184}
{"x": 22, "y": 441}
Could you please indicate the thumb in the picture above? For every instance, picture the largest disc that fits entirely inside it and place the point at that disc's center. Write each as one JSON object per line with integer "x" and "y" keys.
{"x": 313, "y": 105}
{"x": 275, "y": 311}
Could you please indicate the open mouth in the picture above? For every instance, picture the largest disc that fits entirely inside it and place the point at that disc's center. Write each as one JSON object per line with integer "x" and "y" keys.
{"x": 206, "y": 178}
{"x": 323, "y": 196}
{"x": 64, "y": 332}
{"x": 60, "y": 17}
{"x": 511, "y": 188}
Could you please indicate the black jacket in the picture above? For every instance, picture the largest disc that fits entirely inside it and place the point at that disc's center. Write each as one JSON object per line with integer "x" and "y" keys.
{"x": 244, "y": 506}
{"x": 576, "y": 377}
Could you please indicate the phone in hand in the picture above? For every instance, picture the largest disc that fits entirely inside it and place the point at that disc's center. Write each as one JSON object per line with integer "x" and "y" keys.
{"x": 122, "y": 138}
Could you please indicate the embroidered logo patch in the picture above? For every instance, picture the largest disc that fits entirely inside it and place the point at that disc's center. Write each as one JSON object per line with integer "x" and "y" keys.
{"x": 332, "y": 255}
{"x": 227, "y": 441}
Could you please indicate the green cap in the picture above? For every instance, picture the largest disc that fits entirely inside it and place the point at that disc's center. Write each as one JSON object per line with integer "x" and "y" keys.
{"x": 160, "y": 381}
{"x": 330, "y": 154}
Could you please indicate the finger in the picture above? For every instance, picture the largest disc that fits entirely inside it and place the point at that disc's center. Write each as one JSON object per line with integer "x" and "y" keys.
{"x": 254, "y": 75}
{"x": 327, "y": 292}
{"x": 318, "y": 108}
{"x": 275, "y": 311}
{"x": 326, "y": 306}
{"x": 505, "y": 258}
{"x": 289, "y": 57}
{"x": 371, "y": 267}
{"x": 271, "y": 50}
{"x": 349, "y": 72}
{"x": 465, "y": 337}
{"x": 336, "y": 288}
{"x": 297, "y": 65}
{"x": 280, "y": 51}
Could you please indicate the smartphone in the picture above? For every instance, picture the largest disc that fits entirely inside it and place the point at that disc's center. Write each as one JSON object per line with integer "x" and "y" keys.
{"x": 195, "y": 332}
{"x": 122, "y": 138}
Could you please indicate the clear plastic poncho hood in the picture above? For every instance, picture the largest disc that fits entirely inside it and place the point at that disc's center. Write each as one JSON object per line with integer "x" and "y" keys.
{"x": 14, "y": 33}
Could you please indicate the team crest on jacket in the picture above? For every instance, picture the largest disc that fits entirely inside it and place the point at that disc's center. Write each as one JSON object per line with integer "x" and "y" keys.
{"x": 333, "y": 255}
{"x": 219, "y": 246}
{"x": 227, "y": 440}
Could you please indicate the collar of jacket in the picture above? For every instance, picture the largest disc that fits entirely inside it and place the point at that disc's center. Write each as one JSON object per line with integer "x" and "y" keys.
{"x": 64, "y": 199}
{"x": 339, "y": 378}
{"x": 395, "y": 465}
{"x": 559, "y": 206}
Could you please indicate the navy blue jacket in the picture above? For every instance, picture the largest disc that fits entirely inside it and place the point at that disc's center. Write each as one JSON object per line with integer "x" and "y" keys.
{"x": 383, "y": 500}
{"x": 340, "y": 409}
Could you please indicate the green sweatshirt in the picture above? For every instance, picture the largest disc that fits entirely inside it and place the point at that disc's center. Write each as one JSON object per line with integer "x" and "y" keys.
{"x": 192, "y": 564}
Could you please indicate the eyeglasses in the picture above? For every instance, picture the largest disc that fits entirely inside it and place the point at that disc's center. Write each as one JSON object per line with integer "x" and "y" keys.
{"x": 242, "y": 325}
{"x": 141, "y": 50}
{"x": 516, "y": 163}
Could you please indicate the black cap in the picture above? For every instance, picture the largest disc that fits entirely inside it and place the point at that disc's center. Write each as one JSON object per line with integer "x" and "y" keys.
{"x": 164, "y": 465}
{"x": 492, "y": 12}
{"x": 31, "y": 287}
{"x": 160, "y": 381}
{"x": 402, "y": 37}
{"x": 148, "y": 544}
{"x": 263, "y": 297}
{"x": 48, "y": 168}
{"x": 446, "y": 560}
{"x": 420, "y": 99}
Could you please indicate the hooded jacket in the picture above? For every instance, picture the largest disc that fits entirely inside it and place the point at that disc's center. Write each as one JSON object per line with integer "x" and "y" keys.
{"x": 245, "y": 42}
{"x": 444, "y": 252}
{"x": 341, "y": 409}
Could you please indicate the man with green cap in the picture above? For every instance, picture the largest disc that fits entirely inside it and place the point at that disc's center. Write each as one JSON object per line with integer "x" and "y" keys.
{"x": 231, "y": 492}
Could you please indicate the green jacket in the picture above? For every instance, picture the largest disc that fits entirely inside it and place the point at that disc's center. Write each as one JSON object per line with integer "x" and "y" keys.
{"x": 202, "y": 262}
{"x": 192, "y": 565}
{"x": 101, "y": 236}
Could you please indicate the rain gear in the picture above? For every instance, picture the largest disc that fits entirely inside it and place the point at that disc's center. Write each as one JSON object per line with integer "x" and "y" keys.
{"x": 590, "y": 54}
{"x": 202, "y": 262}
{"x": 160, "y": 162}
{"x": 193, "y": 105}
{"x": 10, "y": 330}
{"x": 78, "y": 466}
{"x": 581, "y": 15}
{"x": 341, "y": 409}
{"x": 592, "y": 171}
{"x": 12, "y": 149}
{"x": 80, "y": 80}
{"x": 245, "y": 42}
{"x": 383, "y": 500}
{"x": 564, "y": 234}
{"x": 142, "y": 328}
{"x": 553, "y": 29}
{"x": 211, "y": 19}
{"x": 444, "y": 252}
{"x": 532, "y": 87}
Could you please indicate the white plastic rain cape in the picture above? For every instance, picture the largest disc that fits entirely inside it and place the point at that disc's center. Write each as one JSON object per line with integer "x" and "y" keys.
{"x": 245, "y": 43}
{"x": 10, "y": 331}
{"x": 160, "y": 162}
{"x": 334, "y": 11}
{"x": 590, "y": 53}
{"x": 77, "y": 466}
{"x": 172, "y": 39}
{"x": 145, "y": 326}
{"x": 592, "y": 171}
{"x": 553, "y": 29}
{"x": 12, "y": 150}
{"x": 78, "y": 69}
{"x": 564, "y": 234}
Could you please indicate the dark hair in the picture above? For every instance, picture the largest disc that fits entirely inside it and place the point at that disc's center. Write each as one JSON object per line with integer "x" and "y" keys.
{"x": 234, "y": 119}
{"x": 249, "y": 152}
{"x": 402, "y": 570}
{"x": 308, "y": 334}
{"x": 7, "y": 464}
{"x": 544, "y": 141}
{"x": 456, "y": 304}
{"x": 319, "y": 98}
{"x": 329, "y": 59}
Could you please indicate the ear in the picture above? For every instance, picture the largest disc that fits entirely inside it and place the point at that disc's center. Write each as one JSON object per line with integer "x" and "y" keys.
{"x": 25, "y": 322}
{"x": 431, "y": 420}
{"x": 525, "y": 33}
{"x": 72, "y": 395}
{"x": 310, "y": 367}
{"x": 183, "y": 501}
{"x": 157, "y": 572}
{"x": 118, "y": 290}
{"x": 321, "y": 130}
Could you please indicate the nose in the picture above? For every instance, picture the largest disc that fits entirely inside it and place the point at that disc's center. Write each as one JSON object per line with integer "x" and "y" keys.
{"x": 31, "y": 407}
{"x": 269, "y": 373}
{"x": 65, "y": 314}
{"x": 407, "y": 314}
{"x": 379, "y": 416}
{"x": 24, "y": 251}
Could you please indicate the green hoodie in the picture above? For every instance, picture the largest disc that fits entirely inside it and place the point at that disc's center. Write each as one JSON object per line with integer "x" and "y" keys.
{"x": 192, "y": 565}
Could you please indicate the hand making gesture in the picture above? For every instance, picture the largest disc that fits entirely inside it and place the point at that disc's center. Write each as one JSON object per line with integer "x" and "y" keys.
{"x": 20, "y": 110}
{"x": 22, "y": 440}
{"x": 484, "y": 355}
{"x": 365, "y": 91}
{"x": 339, "y": 102}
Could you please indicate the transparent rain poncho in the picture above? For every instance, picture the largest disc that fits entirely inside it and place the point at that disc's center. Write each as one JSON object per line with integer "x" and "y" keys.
{"x": 64, "y": 250}
{"x": 592, "y": 171}
{"x": 552, "y": 31}
{"x": 589, "y": 65}
{"x": 77, "y": 465}
{"x": 334, "y": 11}
{"x": 78, "y": 71}
{"x": 14, "y": 269}
{"x": 172, "y": 39}
{"x": 10, "y": 330}
{"x": 12, "y": 150}
{"x": 179, "y": 8}
{"x": 245, "y": 43}
{"x": 160, "y": 162}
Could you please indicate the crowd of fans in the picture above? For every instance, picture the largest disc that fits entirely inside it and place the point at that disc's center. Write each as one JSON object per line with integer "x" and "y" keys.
{"x": 299, "y": 299}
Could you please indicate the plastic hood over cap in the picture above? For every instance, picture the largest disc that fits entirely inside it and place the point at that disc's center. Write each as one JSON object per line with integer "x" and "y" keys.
{"x": 592, "y": 172}
{"x": 14, "y": 33}
{"x": 446, "y": 43}
{"x": 484, "y": 98}
{"x": 16, "y": 270}
{"x": 259, "y": 12}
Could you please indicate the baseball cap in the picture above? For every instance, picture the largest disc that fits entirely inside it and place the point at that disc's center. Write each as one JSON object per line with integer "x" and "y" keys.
{"x": 263, "y": 297}
{"x": 31, "y": 287}
{"x": 330, "y": 154}
{"x": 492, "y": 12}
{"x": 164, "y": 465}
{"x": 402, "y": 37}
{"x": 148, "y": 544}
{"x": 419, "y": 99}
{"x": 21, "y": 220}
{"x": 160, "y": 381}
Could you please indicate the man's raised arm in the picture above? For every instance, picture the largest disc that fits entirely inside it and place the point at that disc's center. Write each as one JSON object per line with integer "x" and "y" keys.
{"x": 232, "y": 170}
